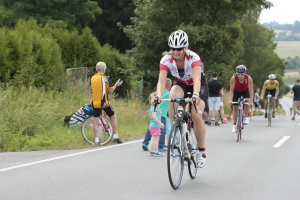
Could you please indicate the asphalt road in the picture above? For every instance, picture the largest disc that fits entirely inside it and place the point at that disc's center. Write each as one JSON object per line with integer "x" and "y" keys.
{"x": 263, "y": 165}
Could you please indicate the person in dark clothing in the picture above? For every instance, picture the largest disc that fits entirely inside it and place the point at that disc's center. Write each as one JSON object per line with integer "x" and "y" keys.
{"x": 296, "y": 99}
{"x": 215, "y": 90}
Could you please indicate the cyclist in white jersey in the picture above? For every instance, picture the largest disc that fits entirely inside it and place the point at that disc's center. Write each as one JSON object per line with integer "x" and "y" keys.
{"x": 185, "y": 66}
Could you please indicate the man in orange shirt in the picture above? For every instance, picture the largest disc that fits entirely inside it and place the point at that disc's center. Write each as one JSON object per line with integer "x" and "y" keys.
{"x": 100, "y": 91}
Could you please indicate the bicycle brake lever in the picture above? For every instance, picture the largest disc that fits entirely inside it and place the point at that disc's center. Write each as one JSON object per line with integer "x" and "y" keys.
{"x": 196, "y": 108}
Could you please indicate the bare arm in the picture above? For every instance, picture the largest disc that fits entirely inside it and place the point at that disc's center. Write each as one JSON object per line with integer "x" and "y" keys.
{"x": 250, "y": 87}
{"x": 157, "y": 120}
{"x": 221, "y": 92}
{"x": 263, "y": 90}
{"x": 161, "y": 82}
{"x": 232, "y": 84}
{"x": 111, "y": 89}
{"x": 197, "y": 79}
{"x": 277, "y": 90}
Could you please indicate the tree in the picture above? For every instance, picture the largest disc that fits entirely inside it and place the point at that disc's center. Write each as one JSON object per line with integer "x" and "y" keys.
{"x": 105, "y": 27}
{"x": 213, "y": 27}
{"x": 57, "y": 13}
{"x": 259, "y": 56}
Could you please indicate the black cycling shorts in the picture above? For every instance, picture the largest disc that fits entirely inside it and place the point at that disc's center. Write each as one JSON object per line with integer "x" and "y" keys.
{"x": 272, "y": 92}
{"x": 108, "y": 110}
{"x": 237, "y": 95}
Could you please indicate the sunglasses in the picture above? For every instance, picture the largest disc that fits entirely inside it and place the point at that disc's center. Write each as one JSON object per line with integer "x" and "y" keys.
{"x": 177, "y": 49}
{"x": 240, "y": 74}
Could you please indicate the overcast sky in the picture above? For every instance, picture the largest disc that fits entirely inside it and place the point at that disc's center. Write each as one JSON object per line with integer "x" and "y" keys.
{"x": 283, "y": 12}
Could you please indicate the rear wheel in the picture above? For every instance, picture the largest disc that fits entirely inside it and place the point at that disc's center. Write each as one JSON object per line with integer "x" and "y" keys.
{"x": 105, "y": 131}
{"x": 175, "y": 156}
{"x": 192, "y": 165}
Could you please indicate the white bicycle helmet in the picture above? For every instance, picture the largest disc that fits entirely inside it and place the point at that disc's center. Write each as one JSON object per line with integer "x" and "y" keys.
{"x": 241, "y": 69}
{"x": 178, "y": 39}
{"x": 272, "y": 76}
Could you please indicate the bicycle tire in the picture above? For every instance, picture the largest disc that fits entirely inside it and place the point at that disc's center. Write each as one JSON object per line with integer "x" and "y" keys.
{"x": 192, "y": 165}
{"x": 175, "y": 156}
{"x": 105, "y": 132}
{"x": 239, "y": 126}
{"x": 269, "y": 115}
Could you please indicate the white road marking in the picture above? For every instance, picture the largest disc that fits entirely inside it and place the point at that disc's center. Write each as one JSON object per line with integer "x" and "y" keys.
{"x": 280, "y": 142}
{"x": 66, "y": 156}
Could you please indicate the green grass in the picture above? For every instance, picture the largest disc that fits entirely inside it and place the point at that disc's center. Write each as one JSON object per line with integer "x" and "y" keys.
{"x": 32, "y": 119}
{"x": 288, "y": 49}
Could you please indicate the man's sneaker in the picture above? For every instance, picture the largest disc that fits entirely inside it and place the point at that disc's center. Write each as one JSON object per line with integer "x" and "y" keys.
{"x": 151, "y": 153}
{"x": 97, "y": 142}
{"x": 234, "y": 129}
{"x": 273, "y": 114}
{"x": 200, "y": 159}
{"x": 246, "y": 120}
{"x": 117, "y": 140}
{"x": 217, "y": 124}
{"x": 266, "y": 115}
{"x": 163, "y": 149}
{"x": 145, "y": 147}
{"x": 158, "y": 154}
{"x": 293, "y": 118}
{"x": 208, "y": 123}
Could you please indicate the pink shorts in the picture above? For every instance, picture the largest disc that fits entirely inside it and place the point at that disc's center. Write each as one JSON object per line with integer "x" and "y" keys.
{"x": 154, "y": 130}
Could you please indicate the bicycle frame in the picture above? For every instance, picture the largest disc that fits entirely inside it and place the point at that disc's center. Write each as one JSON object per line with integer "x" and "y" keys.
{"x": 240, "y": 116}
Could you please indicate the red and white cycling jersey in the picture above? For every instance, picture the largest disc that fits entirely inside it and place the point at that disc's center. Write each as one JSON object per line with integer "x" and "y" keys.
{"x": 191, "y": 60}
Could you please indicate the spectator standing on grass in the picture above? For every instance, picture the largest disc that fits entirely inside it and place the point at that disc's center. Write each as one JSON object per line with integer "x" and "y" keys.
{"x": 100, "y": 90}
{"x": 164, "y": 107}
{"x": 296, "y": 98}
{"x": 214, "y": 91}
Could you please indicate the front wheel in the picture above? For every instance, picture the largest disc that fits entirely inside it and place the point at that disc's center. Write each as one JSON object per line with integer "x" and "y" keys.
{"x": 269, "y": 117}
{"x": 175, "y": 156}
{"x": 239, "y": 122}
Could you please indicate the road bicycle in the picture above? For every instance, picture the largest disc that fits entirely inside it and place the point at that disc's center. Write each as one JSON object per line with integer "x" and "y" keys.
{"x": 269, "y": 113}
{"x": 182, "y": 144}
{"x": 240, "y": 116}
{"x": 105, "y": 131}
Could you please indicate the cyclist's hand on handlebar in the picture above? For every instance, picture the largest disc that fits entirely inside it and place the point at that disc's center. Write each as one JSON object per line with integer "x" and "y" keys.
{"x": 230, "y": 102}
{"x": 274, "y": 97}
{"x": 155, "y": 100}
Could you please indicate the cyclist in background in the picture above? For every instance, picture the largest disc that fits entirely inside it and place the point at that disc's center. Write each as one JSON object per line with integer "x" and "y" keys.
{"x": 271, "y": 86}
{"x": 241, "y": 84}
{"x": 185, "y": 66}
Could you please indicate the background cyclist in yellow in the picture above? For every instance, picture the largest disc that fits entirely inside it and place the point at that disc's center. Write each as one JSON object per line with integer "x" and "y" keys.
{"x": 271, "y": 86}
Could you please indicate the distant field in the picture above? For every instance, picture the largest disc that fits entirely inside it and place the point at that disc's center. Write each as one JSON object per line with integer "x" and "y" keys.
{"x": 290, "y": 77}
{"x": 288, "y": 48}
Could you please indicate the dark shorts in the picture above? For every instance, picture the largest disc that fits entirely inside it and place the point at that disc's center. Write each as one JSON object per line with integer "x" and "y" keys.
{"x": 272, "y": 92}
{"x": 237, "y": 95}
{"x": 108, "y": 110}
{"x": 203, "y": 94}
